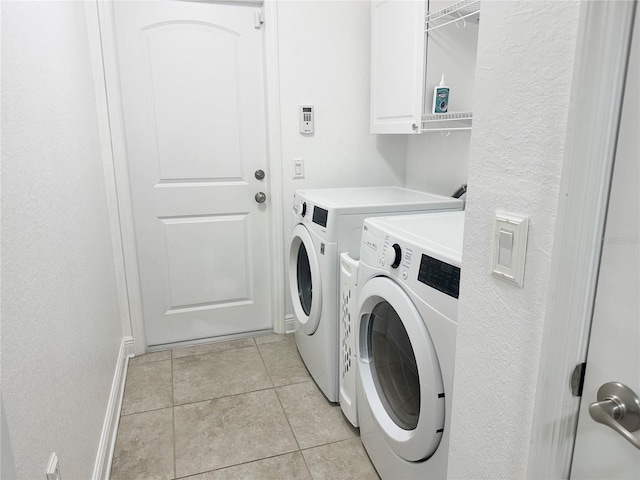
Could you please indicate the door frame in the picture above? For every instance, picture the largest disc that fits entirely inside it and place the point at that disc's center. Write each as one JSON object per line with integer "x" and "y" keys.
{"x": 604, "y": 27}
{"x": 116, "y": 160}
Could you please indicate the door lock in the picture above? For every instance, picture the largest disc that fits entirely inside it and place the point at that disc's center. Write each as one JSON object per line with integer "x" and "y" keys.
{"x": 259, "y": 174}
{"x": 618, "y": 407}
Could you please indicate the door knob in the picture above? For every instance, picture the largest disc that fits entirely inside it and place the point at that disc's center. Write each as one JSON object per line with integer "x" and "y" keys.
{"x": 618, "y": 407}
{"x": 259, "y": 174}
{"x": 260, "y": 197}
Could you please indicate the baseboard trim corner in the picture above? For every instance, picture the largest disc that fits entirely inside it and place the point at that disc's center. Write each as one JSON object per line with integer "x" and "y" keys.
{"x": 289, "y": 323}
{"x": 102, "y": 467}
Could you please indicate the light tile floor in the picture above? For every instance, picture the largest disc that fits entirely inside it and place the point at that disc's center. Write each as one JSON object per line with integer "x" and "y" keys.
{"x": 242, "y": 409}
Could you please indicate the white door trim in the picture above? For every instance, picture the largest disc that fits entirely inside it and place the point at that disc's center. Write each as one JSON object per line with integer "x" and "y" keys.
{"x": 274, "y": 156}
{"x": 99, "y": 24}
{"x": 118, "y": 145}
{"x": 598, "y": 85}
{"x": 104, "y": 132}
{"x": 121, "y": 179}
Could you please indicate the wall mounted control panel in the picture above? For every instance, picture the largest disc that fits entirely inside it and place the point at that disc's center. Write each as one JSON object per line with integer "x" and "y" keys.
{"x": 306, "y": 118}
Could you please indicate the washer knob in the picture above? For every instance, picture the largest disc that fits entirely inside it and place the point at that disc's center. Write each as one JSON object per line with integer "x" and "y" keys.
{"x": 303, "y": 212}
{"x": 393, "y": 255}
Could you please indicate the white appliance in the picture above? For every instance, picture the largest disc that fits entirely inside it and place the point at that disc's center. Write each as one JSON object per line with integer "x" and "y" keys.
{"x": 347, "y": 338}
{"x": 328, "y": 222}
{"x": 408, "y": 281}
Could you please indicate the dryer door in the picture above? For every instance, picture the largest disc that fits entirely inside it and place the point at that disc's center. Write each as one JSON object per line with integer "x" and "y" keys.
{"x": 304, "y": 280}
{"x": 399, "y": 370}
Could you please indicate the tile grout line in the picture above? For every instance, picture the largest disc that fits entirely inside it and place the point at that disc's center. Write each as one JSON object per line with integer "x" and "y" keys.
{"x": 265, "y": 366}
{"x": 137, "y": 364}
{"x": 286, "y": 417}
{"x": 306, "y": 464}
{"x": 239, "y": 464}
{"x": 146, "y": 411}
{"x": 224, "y": 396}
{"x": 328, "y": 443}
{"x": 214, "y": 352}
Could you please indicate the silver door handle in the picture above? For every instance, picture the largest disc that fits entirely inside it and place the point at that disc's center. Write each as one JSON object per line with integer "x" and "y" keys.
{"x": 618, "y": 407}
{"x": 260, "y": 197}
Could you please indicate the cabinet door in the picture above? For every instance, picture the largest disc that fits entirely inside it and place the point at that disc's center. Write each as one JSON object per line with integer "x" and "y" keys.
{"x": 397, "y": 65}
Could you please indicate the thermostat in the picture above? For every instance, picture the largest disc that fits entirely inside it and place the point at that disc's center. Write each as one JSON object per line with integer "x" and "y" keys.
{"x": 306, "y": 118}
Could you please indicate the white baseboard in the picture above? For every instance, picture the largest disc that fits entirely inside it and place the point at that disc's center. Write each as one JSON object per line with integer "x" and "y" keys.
{"x": 289, "y": 323}
{"x": 102, "y": 467}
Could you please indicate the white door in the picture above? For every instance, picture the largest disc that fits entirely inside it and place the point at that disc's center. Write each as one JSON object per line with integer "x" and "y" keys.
{"x": 614, "y": 347}
{"x": 191, "y": 76}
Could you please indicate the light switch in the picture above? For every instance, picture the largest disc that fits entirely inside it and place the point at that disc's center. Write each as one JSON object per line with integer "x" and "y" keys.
{"x": 509, "y": 247}
{"x": 298, "y": 168}
{"x": 505, "y": 248}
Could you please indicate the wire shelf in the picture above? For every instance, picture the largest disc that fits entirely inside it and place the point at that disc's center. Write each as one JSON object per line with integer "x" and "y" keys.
{"x": 466, "y": 10}
{"x": 454, "y": 121}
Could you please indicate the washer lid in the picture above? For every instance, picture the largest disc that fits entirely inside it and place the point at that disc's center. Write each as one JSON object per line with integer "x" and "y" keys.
{"x": 400, "y": 371}
{"x": 378, "y": 199}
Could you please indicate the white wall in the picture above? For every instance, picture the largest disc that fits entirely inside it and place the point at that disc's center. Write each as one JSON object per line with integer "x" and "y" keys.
{"x": 60, "y": 318}
{"x": 525, "y": 59}
{"x": 438, "y": 162}
{"x": 324, "y": 54}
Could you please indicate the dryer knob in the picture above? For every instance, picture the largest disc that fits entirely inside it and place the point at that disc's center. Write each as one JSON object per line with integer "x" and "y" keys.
{"x": 303, "y": 211}
{"x": 393, "y": 255}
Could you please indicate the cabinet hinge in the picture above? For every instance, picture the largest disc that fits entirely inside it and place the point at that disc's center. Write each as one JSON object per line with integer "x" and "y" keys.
{"x": 577, "y": 379}
{"x": 258, "y": 20}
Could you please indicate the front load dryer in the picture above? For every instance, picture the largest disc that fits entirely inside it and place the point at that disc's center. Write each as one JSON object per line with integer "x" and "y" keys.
{"x": 408, "y": 282}
{"x": 328, "y": 222}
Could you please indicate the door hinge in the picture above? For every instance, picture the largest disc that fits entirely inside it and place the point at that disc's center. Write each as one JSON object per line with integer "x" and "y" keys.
{"x": 258, "y": 20}
{"x": 577, "y": 379}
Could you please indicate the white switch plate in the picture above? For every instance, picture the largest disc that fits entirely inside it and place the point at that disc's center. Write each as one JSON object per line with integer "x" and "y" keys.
{"x": 53, "y": 470}
{"x": 509, "y": 247}
{"x": 298, "y": 168}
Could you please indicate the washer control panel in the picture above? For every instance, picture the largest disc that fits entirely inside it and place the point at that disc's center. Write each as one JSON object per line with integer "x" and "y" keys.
{"x": 439, "y": 275}
{"x": 396, "y": 257}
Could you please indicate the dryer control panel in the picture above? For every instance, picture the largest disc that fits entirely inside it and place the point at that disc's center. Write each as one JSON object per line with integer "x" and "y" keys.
{"x": 439, "y": 275}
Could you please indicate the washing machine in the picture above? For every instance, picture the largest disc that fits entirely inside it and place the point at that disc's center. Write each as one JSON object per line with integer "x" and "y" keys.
{"x": 408, "y": 283}
{"x": 328, "y": 222}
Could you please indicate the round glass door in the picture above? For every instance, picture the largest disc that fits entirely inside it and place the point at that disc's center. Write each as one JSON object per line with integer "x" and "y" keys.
{"x": 304, "y": 280}
{"x": 399, "y": 370}
{"x": 394, "y": 369}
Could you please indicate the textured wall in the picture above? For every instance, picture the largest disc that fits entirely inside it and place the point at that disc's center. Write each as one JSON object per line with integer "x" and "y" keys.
{"x": 523, "y": 79}
{"x": 324, "y": 50}
{"x": 60, "y": 320}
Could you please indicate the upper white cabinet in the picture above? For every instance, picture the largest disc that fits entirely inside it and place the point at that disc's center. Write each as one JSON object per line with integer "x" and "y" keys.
{"x": 412, "y": 44}
{"x": 397, "y": 65}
